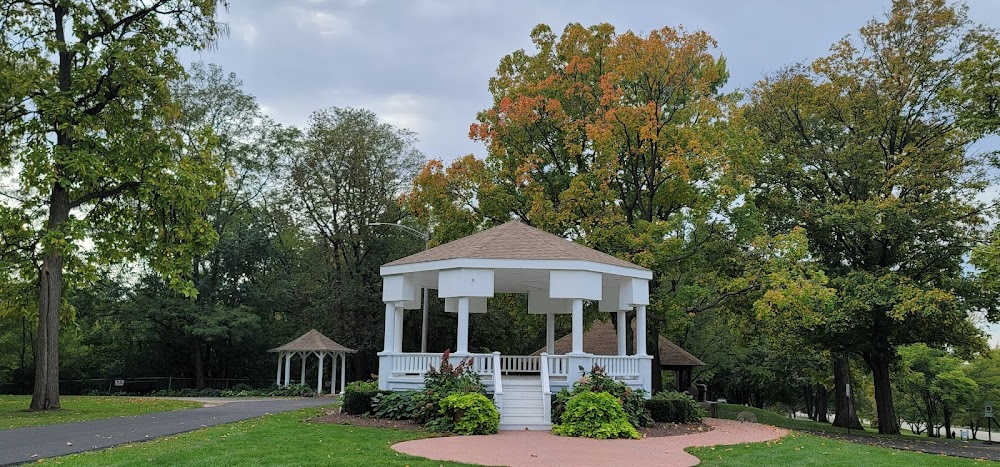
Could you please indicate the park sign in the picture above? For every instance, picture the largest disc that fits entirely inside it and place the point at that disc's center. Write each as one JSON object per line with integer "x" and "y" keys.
{"x": 988, "y": 409}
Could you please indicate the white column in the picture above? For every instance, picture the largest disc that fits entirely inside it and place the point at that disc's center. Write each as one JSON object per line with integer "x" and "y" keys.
{"x": 640, "y": 329}
{"x": 302, "y": 380}
{"x": 277, "y": 379}
{"x": 550, "y": 333}
{"x": 397, "y": 338}
{"x": 462, "y": 347}
{"x": 319, "y": 379}
{"x": 343, "y": 372}
{"x": 390, "y": 327}
{"x": 577, "y": 326}
{"x": 622, "y": 331}
{"x": 288, "y": 367}
{"x": 333, "y": 375}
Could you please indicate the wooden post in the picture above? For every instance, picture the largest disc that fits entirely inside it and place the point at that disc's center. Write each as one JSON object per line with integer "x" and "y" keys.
{"x": 302, "y": 379}
{"x": 288, "y": 367}
{"x": 550, "y": 333}
{"x": 343, "y": 371}
{"x": 277, "y": 379}
{"x": 319, "y": 382}
{"x": 622, "y": 332}
{"x": 578, "y": 326}
{"x": 462, "y": 347}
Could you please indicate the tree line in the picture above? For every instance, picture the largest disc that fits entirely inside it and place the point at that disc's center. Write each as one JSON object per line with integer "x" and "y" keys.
{"x": 829, "y": 225}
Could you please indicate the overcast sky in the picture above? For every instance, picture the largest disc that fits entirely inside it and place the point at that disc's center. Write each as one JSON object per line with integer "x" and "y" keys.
{"x": 425, "y": 64}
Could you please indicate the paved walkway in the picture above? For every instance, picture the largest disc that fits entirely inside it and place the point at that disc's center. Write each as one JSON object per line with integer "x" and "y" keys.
{"x": 539, "y": 448}
{"x": 32, "y": 443}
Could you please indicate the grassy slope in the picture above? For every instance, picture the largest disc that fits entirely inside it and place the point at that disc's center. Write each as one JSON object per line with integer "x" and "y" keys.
{"x": 273, "y": 440}
{"x": 801, "y": 449}
{"x": 14, "y": 414}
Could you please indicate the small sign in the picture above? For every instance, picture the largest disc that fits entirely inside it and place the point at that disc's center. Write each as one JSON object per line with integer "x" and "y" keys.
{"x": 988, "y": 409}
{"x": 119, "y": 382}
{"x": 964, "y": 435}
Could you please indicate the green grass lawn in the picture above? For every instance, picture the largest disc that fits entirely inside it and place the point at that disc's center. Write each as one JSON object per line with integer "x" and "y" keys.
{"x": 14, "y": 413}
{"x": 800, "y": 449}
{"x": 280, "y": 439}
{"x": 288, "y": 439}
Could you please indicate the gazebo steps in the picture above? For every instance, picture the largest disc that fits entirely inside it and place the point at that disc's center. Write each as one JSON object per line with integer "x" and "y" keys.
{"x": 522, "y": 405}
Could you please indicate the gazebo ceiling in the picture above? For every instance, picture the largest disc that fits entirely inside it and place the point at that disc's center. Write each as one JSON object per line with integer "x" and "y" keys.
{"x": 312, "y": 341}
{"x": 520, "y": 256}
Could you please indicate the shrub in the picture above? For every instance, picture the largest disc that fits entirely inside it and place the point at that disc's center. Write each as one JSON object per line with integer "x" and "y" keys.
{"x": 396, "y": 405}
{"x": 443, "y": 382}
{"x": 358, "y": 397}
{"x": 632, "y": 401}
{"x": 674, "y": 407}
{"x": 595, "y": 415}
{"x": 470, "y": 414}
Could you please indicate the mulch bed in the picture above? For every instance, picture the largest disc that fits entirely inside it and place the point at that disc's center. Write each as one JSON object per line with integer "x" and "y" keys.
{"x": 673, "y": 429}
{"x": 655, "y": 431}
{"x": 336, "y": 417}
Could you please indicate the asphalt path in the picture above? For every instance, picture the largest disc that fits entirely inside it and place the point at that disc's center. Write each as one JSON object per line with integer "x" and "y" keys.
{"x": 20, "y": 445}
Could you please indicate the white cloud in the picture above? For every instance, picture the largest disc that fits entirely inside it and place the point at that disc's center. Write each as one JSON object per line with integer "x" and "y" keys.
{"x": 320, "y": 22}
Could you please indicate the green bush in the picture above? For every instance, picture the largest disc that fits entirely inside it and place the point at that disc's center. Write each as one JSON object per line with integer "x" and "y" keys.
{"x": 358, "y": 397}
{"x": 674, "y": 407}
{"x": 632, "y": 401}
{"x": 396, "y": 405}
{"x": 470, "y": 414}
{"x": 240, "y": 390}
{"x": 595, "y": 415}
{"x": 440, "y": 383}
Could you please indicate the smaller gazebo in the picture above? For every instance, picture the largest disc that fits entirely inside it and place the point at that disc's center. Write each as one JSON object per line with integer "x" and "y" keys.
{"x": 313, "y": 343}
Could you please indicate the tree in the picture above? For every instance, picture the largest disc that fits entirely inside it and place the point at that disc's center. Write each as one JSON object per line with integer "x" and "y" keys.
{"x": 617, "y": 141}
{"x": 88, "y": 121}
{"x": 934, "y": 382}
{"x": 349, "y": 171}
{"x": 866, "y": 150}
{"x": 250, "y": 145}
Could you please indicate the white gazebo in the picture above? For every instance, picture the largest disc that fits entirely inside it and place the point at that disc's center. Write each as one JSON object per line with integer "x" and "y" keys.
{"x": 557, "y": 275}
{"x": 313, "y": 343}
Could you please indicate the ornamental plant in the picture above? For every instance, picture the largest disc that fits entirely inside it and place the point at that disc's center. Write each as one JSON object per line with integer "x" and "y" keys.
{"x": 674, "y": 407}
{"x": 470, "y": 414}
{"x": 595, "y": 415}
{"x": 633, "y": 401}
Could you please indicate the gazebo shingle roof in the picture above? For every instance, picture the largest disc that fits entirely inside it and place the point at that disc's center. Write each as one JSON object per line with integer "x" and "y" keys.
{"x": 602, "y": 339}
{"x": 312, "y": 341}
{"x": 514, "y": 240}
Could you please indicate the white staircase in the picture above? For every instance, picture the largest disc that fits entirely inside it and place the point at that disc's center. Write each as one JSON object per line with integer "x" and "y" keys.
{"x": 523, "y": 406}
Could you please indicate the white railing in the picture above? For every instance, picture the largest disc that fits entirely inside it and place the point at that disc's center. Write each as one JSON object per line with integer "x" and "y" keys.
{"x": 414, "y": 363}
{"x": 519, "y": 364}
{"x": 557, "y": 365}
{"x": 482, "y": 363}
{"x": 497, "y": 379}
{"x": 625, "y": 367}
{"x": 546, "y": 389}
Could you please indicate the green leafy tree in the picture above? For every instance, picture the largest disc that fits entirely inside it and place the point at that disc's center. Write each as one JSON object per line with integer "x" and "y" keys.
{"x": 88, "y": 121}
{"x": 866, "y": 150}
{"x": 934, "y": 383}
{"x": 349, "y": 171}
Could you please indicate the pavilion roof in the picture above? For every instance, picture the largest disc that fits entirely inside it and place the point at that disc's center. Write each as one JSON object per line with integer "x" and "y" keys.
{"x": 312, "y": 341}
{"x": 514, "y": 240}
{"x": 602, "y": 339}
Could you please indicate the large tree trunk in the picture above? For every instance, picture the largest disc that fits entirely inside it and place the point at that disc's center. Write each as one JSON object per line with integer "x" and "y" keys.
{"x": 879, "y": 364}
{"x": 653, "y": 345}
{"x": 807, "y": 396}
{"x": 822, "y": 395}
{"x": 198, "y": 355}
{"x": 844, "y": 417}
{"x": 50, "y": 288}
{"x": 947, "y": 423}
